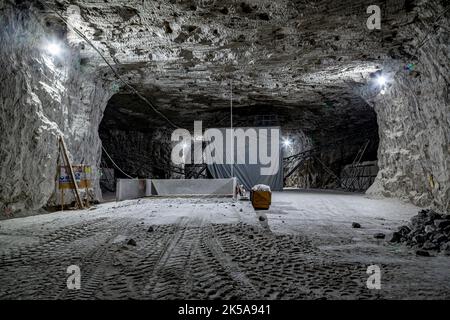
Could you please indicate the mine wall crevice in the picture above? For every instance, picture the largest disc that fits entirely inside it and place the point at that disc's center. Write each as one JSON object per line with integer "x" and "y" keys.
{"x": 40, "y": 99}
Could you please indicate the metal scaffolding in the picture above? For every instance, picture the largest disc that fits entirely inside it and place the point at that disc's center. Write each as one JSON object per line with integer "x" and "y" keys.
{"x": 356, "y": 177}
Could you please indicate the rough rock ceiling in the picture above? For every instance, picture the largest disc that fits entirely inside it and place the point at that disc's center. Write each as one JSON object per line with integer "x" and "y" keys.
{"x": 294, "y": 56}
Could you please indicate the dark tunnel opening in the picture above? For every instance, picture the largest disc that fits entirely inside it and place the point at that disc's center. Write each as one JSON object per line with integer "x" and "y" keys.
{"x": 331, "y": 146}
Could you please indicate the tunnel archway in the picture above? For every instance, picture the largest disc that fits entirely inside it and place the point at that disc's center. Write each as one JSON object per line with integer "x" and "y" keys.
{"x": 334, "y": 142}
{"x": 133, "y": 145}
{"x": 336, "y": 149}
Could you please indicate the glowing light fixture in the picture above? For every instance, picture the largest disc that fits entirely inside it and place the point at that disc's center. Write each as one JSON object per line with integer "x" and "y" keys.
{"x": 286, "y": 142}
{"x": 381, "y": 81}
{"x": 54, "y": 48}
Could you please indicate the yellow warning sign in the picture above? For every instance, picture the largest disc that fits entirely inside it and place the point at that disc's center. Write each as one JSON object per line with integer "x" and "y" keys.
{"x": 82, "y": 176}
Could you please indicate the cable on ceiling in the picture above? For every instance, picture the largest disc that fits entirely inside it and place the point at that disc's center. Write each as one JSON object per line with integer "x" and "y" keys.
{"x": 150, "y": 104}
{"x": 115, "y": 165}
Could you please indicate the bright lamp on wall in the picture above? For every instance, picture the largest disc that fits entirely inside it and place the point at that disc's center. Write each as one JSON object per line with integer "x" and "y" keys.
{"x": 286, "y": 142}
{"x": 381, "y": 80}
{"x": 54, "y": 48}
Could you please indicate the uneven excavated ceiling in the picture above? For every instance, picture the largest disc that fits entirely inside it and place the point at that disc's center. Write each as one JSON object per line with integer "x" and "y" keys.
{"x": 308, "y": 62}
{"x": 293, "y": 56}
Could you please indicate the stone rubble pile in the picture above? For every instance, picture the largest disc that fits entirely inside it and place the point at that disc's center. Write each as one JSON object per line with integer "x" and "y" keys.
{"x": 427, "y": 231}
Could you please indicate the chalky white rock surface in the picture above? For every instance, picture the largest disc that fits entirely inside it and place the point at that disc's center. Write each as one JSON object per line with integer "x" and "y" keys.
{"x": 312, "y": 61}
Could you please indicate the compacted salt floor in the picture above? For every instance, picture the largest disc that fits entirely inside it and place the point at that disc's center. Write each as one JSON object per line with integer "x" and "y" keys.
{"x": 304, "y": 247}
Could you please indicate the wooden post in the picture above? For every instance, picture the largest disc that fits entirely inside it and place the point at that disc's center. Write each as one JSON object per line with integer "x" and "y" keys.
{"x": 86, "y": 199}
{"x": 72, "y": 175}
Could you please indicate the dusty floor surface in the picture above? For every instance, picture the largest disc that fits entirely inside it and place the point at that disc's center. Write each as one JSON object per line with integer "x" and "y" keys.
{"x": 193, "y": 248}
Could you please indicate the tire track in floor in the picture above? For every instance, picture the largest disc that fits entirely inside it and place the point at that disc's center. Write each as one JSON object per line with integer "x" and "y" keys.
{"x": 190, "y": 259}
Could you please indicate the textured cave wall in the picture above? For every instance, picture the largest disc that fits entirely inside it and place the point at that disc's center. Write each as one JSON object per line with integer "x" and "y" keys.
{"x": 299, "y": 143}
{"x": 132, "y": 138}
{"x": 335, "y": 137}
{"x": 414, "y": 117}
{"x": 139, "y": 154}
{"x": 324, "y": 169}
{"x": 186, "y": 56}
{"x": 42, "y": 97}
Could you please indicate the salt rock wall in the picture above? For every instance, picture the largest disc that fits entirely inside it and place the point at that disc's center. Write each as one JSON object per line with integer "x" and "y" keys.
{"x": 139, "y": 154}
{"x": 42, "y": 97}
{"x": 330, "y": 154}
{"x": 414, "y": 117}
{"x": 299, "y": 143}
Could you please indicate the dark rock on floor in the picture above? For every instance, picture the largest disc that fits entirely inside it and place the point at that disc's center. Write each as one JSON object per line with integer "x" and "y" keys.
{"x": 428, "y": 230}
{"x": 423, "y": 253}
{"x": 396, "y": 237}
{"x": 441, "y": 223}
{"x": 430, "y": 246}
